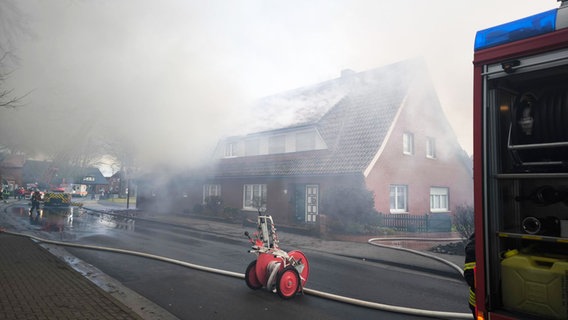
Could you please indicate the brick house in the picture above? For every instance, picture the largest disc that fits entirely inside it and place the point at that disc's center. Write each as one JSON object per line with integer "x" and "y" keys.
{"x": 383, "y": 129}
{"x": 11, "y": 171}
{"x": 17, "y": 171}
{"x": 114, "y": 183}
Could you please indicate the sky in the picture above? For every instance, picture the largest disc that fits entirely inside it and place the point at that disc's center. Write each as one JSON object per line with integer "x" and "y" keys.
{"x": 172, "y": 77}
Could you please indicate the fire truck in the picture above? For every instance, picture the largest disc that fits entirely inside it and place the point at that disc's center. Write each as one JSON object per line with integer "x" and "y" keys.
{"x": 76, "y": 190}
{"x": 521, "y": 168}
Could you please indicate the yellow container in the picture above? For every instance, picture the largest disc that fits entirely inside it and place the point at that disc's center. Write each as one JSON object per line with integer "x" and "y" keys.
{"x": 535, "y": 285}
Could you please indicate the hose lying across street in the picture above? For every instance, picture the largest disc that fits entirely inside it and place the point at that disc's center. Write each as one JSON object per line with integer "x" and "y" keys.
{"x": 321, "y": 294}
{"x": 424, "y": 254}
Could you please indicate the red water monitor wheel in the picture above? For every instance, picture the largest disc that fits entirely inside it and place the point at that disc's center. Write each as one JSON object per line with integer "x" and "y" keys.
{"x": 262, "y": 262}
{"x": 287, "y": 282}
{"x": 299, "y": 256}
{"x": 250, "y": 277}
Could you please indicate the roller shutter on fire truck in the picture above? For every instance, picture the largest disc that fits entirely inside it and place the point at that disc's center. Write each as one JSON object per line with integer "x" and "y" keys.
{"x": 521, "y": 168}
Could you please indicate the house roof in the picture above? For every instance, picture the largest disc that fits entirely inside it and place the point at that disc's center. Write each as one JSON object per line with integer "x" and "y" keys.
{"x": 353, "y": 115}
{"x": 13, "y": 161}
{"x": 35, "y": 171}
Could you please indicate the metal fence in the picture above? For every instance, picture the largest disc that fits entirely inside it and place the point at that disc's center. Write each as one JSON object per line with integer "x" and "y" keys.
{"x": 438, "y": 222}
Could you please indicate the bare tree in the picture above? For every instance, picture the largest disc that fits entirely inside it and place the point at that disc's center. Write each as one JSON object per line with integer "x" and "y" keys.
{"x": 7, "y": 97}
{"x": 12, "y": 24}
{"x": 124, "y": 153}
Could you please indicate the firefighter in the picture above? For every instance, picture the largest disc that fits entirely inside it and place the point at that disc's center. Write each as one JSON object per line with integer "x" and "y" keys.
{"x": 468, "y": 271}
{"x": 35, "y": 198}
{"x": 21, "y": 193}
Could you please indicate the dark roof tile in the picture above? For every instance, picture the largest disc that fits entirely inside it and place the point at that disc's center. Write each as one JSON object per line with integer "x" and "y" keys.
{"x": 353, "y": 116}
{"x": 35, "y": 171}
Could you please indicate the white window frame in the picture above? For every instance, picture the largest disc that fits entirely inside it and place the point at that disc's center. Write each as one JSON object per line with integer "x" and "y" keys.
{"x": 230, "y": 149}
{"x": 277, "y": 144}
{"x": 431, "y": 148}
{"x": 305, "y": 141}
{"x": 408, "y": 143}
{"x": 398, "y": 198}
{"x": 250, "y": 191}
{"x": 252, "y": 147}
{"x": 210, "y": 190}
{"x": 439, "y": 199}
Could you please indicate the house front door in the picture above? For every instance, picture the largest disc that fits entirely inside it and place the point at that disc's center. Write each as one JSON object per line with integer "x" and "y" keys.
{"x": 306, "y": 202}
{"x": 312, "y": 201}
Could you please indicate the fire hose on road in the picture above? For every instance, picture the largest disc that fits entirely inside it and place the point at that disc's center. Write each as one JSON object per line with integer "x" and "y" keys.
{"x": 316, "y": 293}
{"x": 374, "y": 241}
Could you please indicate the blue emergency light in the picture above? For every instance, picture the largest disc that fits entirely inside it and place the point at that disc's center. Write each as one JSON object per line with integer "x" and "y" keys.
{"x": 538, "y": 24}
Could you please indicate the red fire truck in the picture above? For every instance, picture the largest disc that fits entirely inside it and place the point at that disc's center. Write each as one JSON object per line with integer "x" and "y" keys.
{"x": 521, "y": 168}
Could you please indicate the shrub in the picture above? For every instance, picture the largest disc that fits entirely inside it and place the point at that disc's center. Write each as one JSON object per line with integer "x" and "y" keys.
{"x": 350, "y": 209}
{"x": 214, "y": 204}
{"x": 464, "y": 220}
{"x": 233, "y": 214}
{"x": 198, "y": 208}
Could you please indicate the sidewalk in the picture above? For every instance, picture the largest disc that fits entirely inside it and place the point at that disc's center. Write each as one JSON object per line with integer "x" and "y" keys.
{"x": 37, "y": 283}
{"x": 34, "y": 284}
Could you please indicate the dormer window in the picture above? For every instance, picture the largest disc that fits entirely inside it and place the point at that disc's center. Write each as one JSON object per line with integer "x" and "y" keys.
{"x": 305, "y": 141}
{"x": 230, "y": 149}
{"x": 252, "y": 147}
{"x": 277, "y": 144}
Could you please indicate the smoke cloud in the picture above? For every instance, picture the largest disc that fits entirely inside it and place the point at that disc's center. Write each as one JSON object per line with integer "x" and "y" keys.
{"x": 169, "y": 78}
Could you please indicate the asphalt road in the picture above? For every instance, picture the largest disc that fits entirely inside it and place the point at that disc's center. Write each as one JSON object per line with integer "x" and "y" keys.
{"x": 193, "y": 294}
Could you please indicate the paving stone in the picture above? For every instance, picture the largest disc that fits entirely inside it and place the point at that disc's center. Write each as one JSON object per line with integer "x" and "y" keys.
{"x": 36, "y": 285}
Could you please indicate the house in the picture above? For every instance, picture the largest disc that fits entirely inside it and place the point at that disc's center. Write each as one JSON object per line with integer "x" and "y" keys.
{"x": 382, "y": 129}
{"x": 114, "y": 183}
{"x": 11, "y": 171}
{"x": 47, "y": 174}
